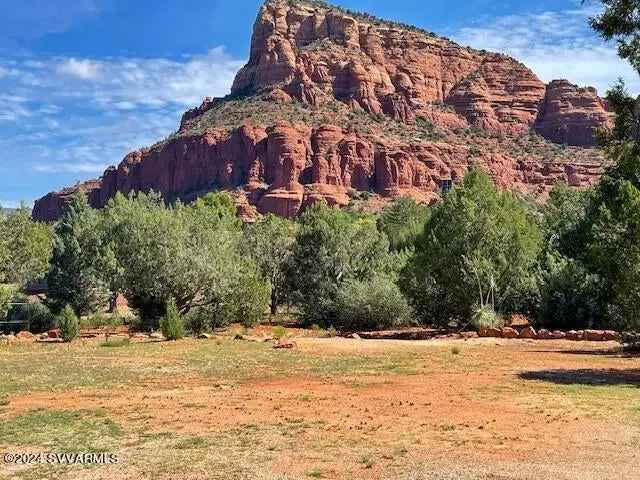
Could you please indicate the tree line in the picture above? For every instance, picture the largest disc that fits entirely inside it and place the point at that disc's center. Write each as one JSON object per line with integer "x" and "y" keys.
{"x": 476, "y": 257}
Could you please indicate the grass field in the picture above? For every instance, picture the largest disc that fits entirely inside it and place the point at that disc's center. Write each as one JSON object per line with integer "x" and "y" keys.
{"x": 332, "y": 408}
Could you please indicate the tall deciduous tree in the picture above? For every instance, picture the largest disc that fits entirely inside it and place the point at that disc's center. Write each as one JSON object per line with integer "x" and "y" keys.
{"x": 607, "y": 240}
{"x": 571, "y": 294}
{"x": 403, "y": 221}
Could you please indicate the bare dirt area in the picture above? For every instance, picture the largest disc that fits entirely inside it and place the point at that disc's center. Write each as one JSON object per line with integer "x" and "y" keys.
{"x": 331, "y": 408}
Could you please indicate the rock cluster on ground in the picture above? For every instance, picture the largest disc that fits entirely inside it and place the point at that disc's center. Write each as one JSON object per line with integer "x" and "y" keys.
{"x": 530, "y": 333}
{"x": 331, "y": 104}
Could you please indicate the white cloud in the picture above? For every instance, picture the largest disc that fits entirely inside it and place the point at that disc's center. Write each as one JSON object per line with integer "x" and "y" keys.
{"x": 82, "y": 69}
{"x": 126, "y": 83}
{"x": 76, "y": 116}
{"x": 77, "y": 167}
{"x": 554, "y": 45}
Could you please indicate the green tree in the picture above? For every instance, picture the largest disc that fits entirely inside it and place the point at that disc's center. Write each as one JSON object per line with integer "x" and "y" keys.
{"x": 570, "y": 293}
{"x": 37, "y": 314}
{"x": 74, "y": 276}
{"x": 607, "y": 240}
{"x": 7, "y": 293}
{"x": 25, "y": 248}
{"x": 190, "y": 253}
{"x": 403, "y": 221}
{"x": 332, "y": 247}
{"x": 609, "y": 246}
{"x": 479, "y": 249}
{"x": 171, "y": 324}
{"x": 620, "y": 21}
{"x": 270, "y": 242}
{"x": 68, "y": 324}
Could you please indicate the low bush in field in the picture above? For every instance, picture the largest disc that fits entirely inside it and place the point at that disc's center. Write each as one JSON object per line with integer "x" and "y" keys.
{"x": 68, "y": 324}
{"x": 371, "y": 305}
{"x": 198, "y": 321}
{"x": 172, "y": 325}
{"x": 100, "y": 320}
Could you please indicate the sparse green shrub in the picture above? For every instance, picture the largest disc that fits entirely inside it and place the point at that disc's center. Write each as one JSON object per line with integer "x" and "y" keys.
{"x": 486, "y": 317}
{"x": 116, "y": 343}
{"x": 68, "y": 324}
{"x": 371, "y": 305}
{"x": 171, "y": 324}
{"x": 99, "y": 320}
{"x": 198, "y": 321}
{"x": 37, "y": 314}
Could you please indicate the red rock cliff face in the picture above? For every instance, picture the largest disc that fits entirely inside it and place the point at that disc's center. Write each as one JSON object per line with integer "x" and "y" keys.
{"x": 315, "y": 56}
{"x": 571, "y": 115}
{"x": 283, "y": 168}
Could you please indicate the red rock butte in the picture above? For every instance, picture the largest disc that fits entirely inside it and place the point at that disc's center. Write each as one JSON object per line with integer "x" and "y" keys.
{"x": 334, "y": 103}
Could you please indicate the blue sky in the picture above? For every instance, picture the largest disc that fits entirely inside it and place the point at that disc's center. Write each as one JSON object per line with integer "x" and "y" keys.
{"x": 82, "y": 82}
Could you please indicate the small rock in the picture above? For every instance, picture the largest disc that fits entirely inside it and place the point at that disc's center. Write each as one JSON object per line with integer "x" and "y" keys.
{"x": 528, "y": 332}
{"x": 544, "y": 334}
{"x": 469, "y": 335}
{"x": 490, "y": 332}
{"x": 53, "y": 333}
{"x": 594, "y": 335}
{"x": 285, "y": 344}
{"x": 24, "y": 335}
{"x": 156, "y": 336}
{"x": 575, "y": 336}
{"x": 205, "y": 336}
{"x": 356, "y": 336}
{"x": 508, "y": 332}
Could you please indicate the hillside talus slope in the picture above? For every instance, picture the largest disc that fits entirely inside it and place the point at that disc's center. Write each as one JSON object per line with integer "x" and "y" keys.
{"x": 333, "y": 103}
